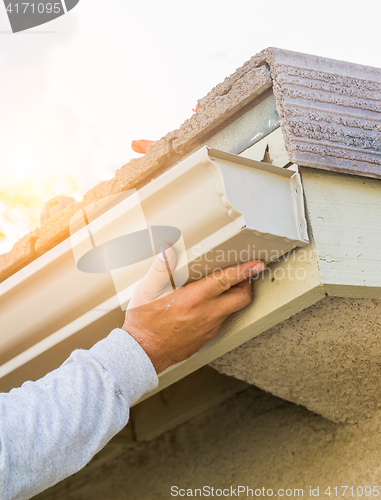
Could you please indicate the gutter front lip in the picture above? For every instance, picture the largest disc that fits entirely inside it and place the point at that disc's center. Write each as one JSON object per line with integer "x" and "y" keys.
{"x": 63, "y": 247}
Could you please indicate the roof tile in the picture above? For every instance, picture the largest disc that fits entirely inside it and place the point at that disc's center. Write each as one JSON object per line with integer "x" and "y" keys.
{"x": 330, "y": 114}
{"x": 22, "y": 254}
{"x": 219, "y": 106}
{"x": 330, "y": 111}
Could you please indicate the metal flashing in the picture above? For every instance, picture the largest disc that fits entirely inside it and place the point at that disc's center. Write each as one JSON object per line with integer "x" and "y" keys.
{"x": 248, "y": 162}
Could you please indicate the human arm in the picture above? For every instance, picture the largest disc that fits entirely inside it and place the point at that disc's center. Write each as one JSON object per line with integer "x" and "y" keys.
{"x": 51, "y": 428}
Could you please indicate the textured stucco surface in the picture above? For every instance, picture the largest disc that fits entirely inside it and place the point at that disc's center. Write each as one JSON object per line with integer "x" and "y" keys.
{"x": 327, "y": 358}
{"x": 252, "y": 439}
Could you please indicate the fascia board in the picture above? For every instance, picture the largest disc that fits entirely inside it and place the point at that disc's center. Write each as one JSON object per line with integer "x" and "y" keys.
{"x": 57, "y": 299}
{"x": 344, "y": 214}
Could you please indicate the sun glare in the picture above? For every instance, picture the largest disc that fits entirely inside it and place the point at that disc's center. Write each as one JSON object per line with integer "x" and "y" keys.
{"x": 23, "y": 193}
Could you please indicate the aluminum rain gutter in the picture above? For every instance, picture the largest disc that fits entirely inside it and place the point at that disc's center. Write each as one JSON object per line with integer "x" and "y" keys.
{"x": 223, "y": 205}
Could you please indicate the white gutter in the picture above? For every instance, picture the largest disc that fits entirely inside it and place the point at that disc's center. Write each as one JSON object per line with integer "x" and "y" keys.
{"x": 221, "y": 203}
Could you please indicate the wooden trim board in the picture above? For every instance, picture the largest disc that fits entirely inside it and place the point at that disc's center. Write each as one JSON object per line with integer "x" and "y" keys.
{"x": 182, "y": 401}
{"x": 289, "y": 285}
{"x": 344, "y": 214}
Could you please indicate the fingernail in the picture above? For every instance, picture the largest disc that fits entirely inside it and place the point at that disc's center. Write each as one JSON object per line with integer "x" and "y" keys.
{"x": 161, "y": 256}
{"x": 163, "y": 249}
{"x": 259, "y": 267}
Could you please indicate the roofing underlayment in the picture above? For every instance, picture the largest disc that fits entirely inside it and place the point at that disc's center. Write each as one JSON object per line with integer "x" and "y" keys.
{"x": 330, "y": 115}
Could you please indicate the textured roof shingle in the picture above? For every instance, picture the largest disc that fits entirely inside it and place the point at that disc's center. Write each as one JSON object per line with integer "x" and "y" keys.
{"x": 330, "y": 111}
{"x": 330, "y": 114}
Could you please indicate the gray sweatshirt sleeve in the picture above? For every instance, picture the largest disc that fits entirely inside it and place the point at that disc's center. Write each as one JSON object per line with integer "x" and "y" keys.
{"x": 51, "y": 428}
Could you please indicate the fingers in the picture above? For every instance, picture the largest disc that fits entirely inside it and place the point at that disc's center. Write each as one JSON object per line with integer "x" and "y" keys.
{"x": 164, "y": 264}
{"x": 141, "y": 146}
{"x": 217, "y": 283}
{"x": 235, "y": 299}
{"x": 157, "y": 282}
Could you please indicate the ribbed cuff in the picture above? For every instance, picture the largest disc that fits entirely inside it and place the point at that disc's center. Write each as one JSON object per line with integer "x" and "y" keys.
{"x": 127, "y": 361}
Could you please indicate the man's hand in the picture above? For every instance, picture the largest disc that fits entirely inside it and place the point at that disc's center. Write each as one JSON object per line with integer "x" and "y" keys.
{"x": 172, "y": 325}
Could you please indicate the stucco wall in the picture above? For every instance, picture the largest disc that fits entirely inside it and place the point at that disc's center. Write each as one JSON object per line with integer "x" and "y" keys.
{"x": 252, "y": 439}
{"x": 326, "y": 358}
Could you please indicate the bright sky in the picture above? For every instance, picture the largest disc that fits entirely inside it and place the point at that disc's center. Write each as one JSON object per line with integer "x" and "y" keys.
{"x": 75, "y": 92}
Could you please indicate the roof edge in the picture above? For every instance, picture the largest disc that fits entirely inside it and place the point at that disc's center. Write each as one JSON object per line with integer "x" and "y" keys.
{"x": 310, "y": 137}
{"x": 214, "y": 111}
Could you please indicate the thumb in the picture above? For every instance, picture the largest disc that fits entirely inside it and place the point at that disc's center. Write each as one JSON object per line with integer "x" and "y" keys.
{"x": 161, "y": 270}
{"x": 158, "y": 280}
{"x": 141, "y": 146}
